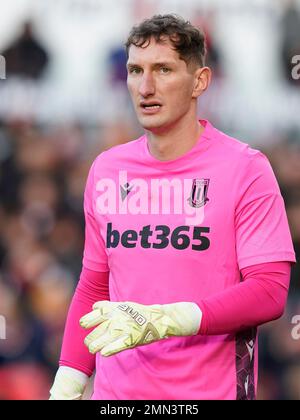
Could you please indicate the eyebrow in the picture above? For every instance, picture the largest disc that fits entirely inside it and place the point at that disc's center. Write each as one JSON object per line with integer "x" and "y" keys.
{"x": 157, "y": 64}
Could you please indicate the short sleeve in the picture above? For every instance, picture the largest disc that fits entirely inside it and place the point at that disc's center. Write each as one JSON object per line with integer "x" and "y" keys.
{"x": 94, "y": 255}
{"x": 261, "y": 225}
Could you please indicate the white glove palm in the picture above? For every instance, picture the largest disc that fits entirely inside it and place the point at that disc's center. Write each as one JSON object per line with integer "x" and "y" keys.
{"x": 69, "y": 384}
{"x": 124, "y": 325}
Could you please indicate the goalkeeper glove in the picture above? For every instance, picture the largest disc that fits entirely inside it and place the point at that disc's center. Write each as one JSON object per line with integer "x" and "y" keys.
{"x": 124, "y": 325}
{"x": 69, "y": 384}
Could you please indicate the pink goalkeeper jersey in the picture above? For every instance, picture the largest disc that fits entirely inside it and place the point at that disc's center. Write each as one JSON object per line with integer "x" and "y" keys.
{"x": 177, "y": 231}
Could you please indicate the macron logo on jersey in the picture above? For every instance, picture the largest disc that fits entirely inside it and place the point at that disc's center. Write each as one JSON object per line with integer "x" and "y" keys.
{"x": 125, "y": 190}
{"x": 250, "y": 347}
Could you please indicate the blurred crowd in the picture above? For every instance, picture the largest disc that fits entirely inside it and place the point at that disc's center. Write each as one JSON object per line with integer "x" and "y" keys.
{"x": 43, "y": 169}
{"x": 42, "y": 178}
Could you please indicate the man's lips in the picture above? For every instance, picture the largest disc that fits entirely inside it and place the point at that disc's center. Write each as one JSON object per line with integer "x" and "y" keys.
{"x": 150, "y": 107}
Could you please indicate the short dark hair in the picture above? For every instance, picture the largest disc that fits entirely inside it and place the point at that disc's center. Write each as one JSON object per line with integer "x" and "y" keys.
{"x": 187, "y": 40}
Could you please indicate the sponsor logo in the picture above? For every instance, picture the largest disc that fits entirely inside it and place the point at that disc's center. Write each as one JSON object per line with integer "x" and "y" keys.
{"x": 159, "y": 237}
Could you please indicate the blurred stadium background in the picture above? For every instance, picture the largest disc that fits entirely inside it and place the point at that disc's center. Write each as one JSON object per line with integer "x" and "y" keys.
{"x": 64, "y": 100}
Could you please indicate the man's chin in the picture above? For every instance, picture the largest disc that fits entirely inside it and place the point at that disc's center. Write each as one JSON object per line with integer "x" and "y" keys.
{"x": 152, "y": 124}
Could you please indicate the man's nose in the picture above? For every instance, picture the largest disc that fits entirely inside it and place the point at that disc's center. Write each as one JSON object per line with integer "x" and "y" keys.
{"x": 147, "y": 85}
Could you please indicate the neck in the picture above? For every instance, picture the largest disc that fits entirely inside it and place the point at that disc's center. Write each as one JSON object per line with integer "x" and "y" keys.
{"x": 176, "y": 141}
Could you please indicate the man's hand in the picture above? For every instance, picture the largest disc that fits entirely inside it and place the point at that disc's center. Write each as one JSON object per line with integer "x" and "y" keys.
{"x": 69, "y": 384}
{"x": 124, "y": 325}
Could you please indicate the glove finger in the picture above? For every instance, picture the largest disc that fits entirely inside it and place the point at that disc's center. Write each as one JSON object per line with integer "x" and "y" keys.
{"x": 100, "y": 313}
{"x": 105, "y": 306}
{"x": 122, "y": 343}
{"x": 97, "y": 333}
{"x": 96, "y": 345}
{"x": 92, "y": 319}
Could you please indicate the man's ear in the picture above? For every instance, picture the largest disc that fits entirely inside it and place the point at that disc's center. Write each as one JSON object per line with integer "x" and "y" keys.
{"x": 203, "y": 77}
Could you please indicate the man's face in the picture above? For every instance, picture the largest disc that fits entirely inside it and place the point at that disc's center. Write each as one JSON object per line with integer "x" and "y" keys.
{"x": 161, "y": 85}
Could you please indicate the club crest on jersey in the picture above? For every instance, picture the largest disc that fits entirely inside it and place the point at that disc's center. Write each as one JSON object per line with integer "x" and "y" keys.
{"x": 198, "y": 197}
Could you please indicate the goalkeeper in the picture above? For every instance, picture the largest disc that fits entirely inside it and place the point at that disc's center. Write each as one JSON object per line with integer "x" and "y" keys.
{"x": 187, "y": 245}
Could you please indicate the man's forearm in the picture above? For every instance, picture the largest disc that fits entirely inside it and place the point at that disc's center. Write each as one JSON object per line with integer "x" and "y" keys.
{"x": 92, "y": 287}
{"x": 260, "y": 298}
